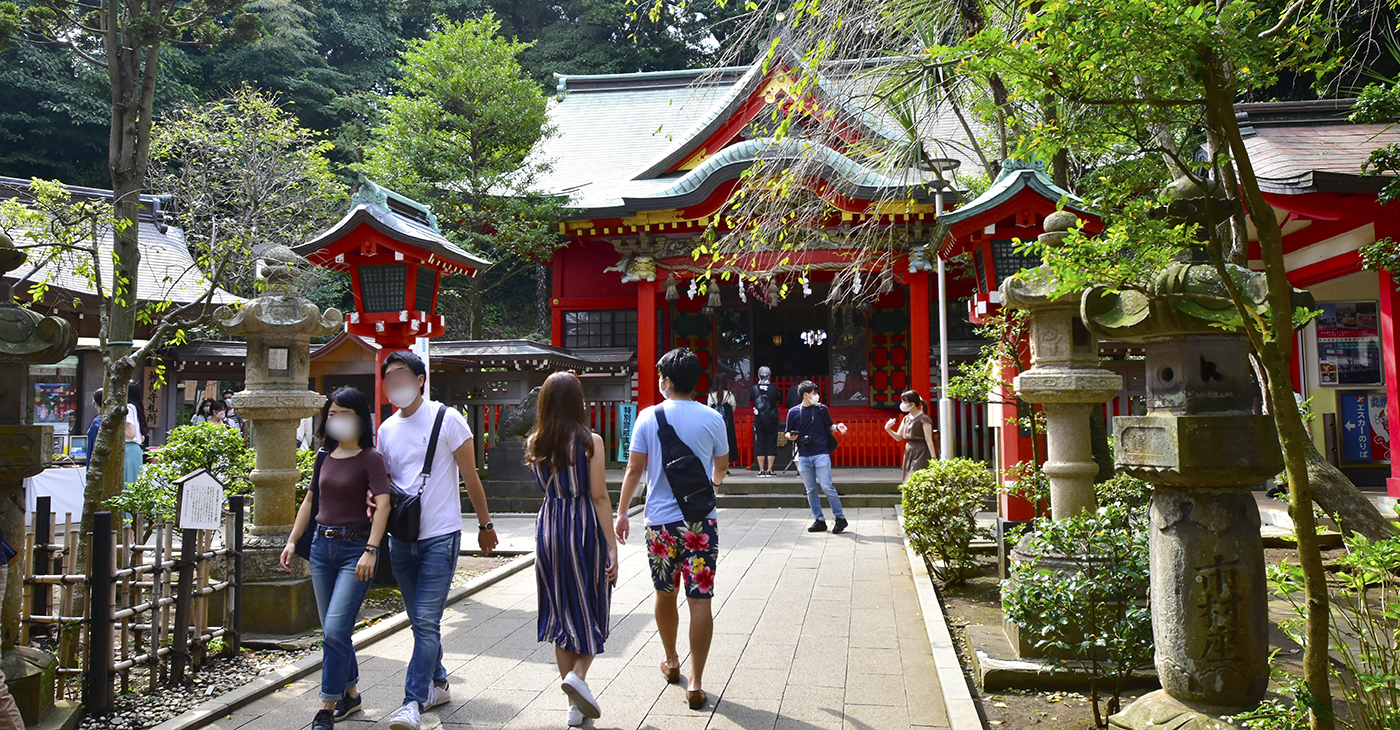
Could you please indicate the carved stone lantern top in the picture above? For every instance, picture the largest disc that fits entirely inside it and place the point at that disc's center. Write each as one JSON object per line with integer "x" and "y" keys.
{"x": 279, "y": 311}
{"x": 25, "y": 335}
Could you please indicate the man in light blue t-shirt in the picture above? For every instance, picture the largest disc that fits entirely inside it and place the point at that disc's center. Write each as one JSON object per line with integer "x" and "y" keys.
{"x": 677, "y": 549}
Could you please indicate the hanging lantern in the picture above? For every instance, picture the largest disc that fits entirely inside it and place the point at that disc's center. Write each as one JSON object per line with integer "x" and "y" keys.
{"x": 671, "y": 293}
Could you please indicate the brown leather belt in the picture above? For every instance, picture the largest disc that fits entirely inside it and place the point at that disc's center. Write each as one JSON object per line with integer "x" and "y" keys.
{"x": 353, "y": 532}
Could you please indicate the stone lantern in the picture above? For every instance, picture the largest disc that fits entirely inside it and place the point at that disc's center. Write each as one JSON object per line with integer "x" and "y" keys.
{"x": 1064, "y": 378}
{"x": 1203, "y": 448}
{"x": 26, "y": 338}
{"x": 278, "y": 326}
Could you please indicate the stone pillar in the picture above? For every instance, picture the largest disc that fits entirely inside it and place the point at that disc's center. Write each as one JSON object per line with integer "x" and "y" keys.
{"x": 1203, "y": 448}
{"x": 26, "y": 338}
{"x": 1065, "y": 378}
{"x": 278, "y": 327}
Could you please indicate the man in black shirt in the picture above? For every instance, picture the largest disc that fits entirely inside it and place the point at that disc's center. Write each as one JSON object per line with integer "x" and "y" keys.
{"x": 765, "y": 397}
{"x": 810, "y": 426}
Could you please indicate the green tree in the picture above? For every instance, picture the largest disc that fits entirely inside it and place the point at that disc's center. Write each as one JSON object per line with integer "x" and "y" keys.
{"x": 459, "y": 131}
{"x": 242, "y": 173}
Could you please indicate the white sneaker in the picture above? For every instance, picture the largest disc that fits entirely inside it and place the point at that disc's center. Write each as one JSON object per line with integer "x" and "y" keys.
{"x": 577, "y": 690}
{"x": 575, "y": 717}
{"x": 406, "y": 718}
{"x": 438, "y": 695}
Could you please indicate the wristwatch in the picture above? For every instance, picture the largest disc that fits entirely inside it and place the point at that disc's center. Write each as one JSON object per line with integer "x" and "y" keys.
{"x": 372, "y": 550}
{"x": 488, "y": 527}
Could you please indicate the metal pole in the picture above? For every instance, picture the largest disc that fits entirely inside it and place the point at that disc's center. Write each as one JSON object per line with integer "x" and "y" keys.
{"x": 945, "y": 406}
{"x": 97, "y": 693}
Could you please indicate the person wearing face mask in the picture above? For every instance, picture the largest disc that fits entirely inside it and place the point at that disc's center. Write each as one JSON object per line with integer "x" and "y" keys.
{"x": 349, "y": 474}
{"x": 203, "y": 412}
{"x": 678, "y": 549}
{"x": 230, "y": 417}
{"x": 424, "y": 567}
{"x": 809, "y": 425}
{"x": 916, "y": 431}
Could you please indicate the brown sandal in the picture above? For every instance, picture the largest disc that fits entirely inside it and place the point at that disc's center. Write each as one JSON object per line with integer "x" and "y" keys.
{"x": 672, "y": 674}
{"x": 696, "y": 698}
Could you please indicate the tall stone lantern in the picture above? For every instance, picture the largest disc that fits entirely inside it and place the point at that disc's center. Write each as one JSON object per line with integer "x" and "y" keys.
{"x": 278, "y": 326}
{"x": 1064, "y": 378}
{"x": 1203, "y": 447}
{"x": 26, "y": 338}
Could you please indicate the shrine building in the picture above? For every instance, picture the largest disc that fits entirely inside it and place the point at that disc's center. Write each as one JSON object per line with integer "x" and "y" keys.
{"x": 650, "y": 160}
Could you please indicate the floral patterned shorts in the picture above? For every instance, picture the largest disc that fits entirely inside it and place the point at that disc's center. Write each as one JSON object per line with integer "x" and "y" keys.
{"x": 689, "y": 550}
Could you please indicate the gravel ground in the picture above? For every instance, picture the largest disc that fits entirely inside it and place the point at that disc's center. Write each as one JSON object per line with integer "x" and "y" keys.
{"x": 137, "y": 710}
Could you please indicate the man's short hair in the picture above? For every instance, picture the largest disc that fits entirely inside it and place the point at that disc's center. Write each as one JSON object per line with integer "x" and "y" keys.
{"x": 97, "y": 397}
{"x": 764, "y": 373}
{"x": 409, "y": 360}
{"x": 683, "y": 369}
{"x": 807, "y": 386}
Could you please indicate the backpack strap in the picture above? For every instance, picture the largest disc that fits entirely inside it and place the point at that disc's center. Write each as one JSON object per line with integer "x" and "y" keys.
{"x": 432, "y": 448}
{"x": 321, "y": 455}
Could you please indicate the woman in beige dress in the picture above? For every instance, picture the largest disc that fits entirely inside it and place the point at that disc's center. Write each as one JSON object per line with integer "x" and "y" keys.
{"x": 916, "y": 431}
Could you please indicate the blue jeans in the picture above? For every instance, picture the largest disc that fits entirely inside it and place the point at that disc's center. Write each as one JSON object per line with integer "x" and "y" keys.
{"x": 338, "y": 598}
{"x": 816, "y": 471}
{"x": 424, "y": 570}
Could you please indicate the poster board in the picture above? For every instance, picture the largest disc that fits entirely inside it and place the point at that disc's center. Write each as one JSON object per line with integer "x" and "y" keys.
{"x": 1363, "y": 432}
{"x": 1349, "y": 344}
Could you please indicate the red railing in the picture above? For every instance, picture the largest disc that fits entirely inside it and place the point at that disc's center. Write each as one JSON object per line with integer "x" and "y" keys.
{"x": 864, "y": 444}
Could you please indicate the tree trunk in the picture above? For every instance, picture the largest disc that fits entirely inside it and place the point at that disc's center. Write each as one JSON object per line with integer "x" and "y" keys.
{"x": 1335, "y": 493}
{"x": 1275, "y": 352}
{"x": 478, "y": 310}
{"x": 542, "y": 291}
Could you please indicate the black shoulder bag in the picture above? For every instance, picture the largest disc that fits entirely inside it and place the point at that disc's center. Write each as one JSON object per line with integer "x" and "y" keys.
{"x": 685, "y": 472}
{"x": 826, "y": 419}
{"x": 405, "y": 508}
{"x": 304, "y": 542}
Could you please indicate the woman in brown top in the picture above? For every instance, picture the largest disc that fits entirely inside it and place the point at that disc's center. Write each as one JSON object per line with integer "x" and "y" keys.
{"x": 349, "y": 497}
{"x": 916, "y": 431}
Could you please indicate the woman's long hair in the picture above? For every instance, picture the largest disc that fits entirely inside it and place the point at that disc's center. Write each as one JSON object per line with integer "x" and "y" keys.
{"x": 133, "y": 397}
{"x": 560, "y": 424}
{"x": 356, "y": 401}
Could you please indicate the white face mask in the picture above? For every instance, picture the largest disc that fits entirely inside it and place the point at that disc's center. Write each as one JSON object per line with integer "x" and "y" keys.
{"x": 345, "y": 429}
{"x": 906, "y": 406}
{"x": 660, "y": 388}
{"x": 403, "y": 396}
{"x": 815, "y": 399}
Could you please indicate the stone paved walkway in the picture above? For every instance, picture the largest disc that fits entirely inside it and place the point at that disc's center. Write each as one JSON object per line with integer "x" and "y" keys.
{"x": 811, "y": 631}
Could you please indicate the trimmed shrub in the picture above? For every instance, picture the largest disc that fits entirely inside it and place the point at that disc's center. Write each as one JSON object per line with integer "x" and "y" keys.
{"x": 940, "y": 505}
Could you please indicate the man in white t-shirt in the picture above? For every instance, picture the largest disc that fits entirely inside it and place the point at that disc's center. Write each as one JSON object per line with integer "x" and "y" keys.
{"x": 677, "y": 549}
{"x": 424, "y": 569}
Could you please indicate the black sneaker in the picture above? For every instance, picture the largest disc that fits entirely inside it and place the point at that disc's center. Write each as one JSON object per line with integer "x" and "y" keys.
{"x": 840, "y": 527}
{"x": 347, "y": 706}
{"x": 325, "y": 720}
{"x": 817, "y": 526}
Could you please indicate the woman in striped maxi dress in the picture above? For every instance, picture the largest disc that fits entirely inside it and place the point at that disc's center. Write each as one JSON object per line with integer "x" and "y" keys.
{"x": 575, "y": 557}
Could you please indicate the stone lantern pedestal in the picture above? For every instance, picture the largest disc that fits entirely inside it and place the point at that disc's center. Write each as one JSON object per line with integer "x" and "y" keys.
{"x": 1203, "y": 448}
{"x": 1067, "y": 382}
{"x": 278, "y": 327}
{"x": 26, "y": 338}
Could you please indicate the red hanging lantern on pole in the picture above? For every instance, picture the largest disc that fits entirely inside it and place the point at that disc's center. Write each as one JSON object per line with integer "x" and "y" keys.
{"x": 396, "y": 257}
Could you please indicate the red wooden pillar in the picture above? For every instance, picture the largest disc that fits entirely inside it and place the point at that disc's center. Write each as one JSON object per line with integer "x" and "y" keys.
{"x": 646, "y": 344}
{"x": 1390, "y": 311}
{"x": 919, "y": 370}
